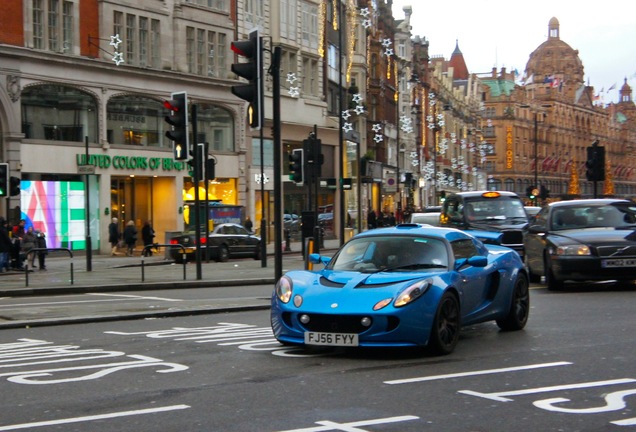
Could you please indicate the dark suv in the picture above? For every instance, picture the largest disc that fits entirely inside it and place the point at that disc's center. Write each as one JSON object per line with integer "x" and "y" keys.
{"x": 495, "y": 217}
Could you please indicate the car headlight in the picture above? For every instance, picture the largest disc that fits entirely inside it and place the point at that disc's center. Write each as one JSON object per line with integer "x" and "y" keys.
{"x": 411, "y": 293}
{"x": 579, "y": 250}
{"x": 284, "y": 288}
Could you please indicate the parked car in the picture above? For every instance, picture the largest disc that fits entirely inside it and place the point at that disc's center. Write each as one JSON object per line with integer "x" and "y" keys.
{"x": 495, "y": 217}
{"x": 227, "y": 240}
{"x": 531, "y": 211}
{"x": 407, "y": 285}
{"x": 581, "y": 240}
{"x": 291, "y": 222}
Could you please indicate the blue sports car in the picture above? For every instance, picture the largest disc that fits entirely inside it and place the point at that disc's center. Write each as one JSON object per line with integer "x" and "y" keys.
{"x": 408, "y": 285}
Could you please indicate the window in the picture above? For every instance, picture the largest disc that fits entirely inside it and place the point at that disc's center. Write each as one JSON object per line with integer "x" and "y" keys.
{"x": 215, "y": 126}
{"x": 58, "y": 113}
{"x": 332, "y": 63}
{"x": 254, "y": 14}
{"x": 214, "y": 4}
{"x": 206, "y": 52}
{"x": 288, "y": 19}
{"x": 310, "y": 25}
{"x": 136, "y": 120}
{"x": 52, "y": 25}
{"x": 309, "y": 78}
{"x": 288, "y": 63}
{"x": 141, "y": 39}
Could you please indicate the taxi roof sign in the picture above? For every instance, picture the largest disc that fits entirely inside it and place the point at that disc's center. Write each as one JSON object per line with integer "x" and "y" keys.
{"x": 491, "y": 194}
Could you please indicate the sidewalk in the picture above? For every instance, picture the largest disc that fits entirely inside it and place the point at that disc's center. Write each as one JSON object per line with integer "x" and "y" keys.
{"x": 118, "y": 273}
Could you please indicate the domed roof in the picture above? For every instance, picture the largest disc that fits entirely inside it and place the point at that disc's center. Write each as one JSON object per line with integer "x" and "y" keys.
{"x": 555, "y": 59}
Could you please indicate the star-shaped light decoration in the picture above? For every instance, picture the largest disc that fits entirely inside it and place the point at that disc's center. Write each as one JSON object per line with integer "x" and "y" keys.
{"x": 118, "y": 58}
{"x": 413, "y": 155}
{"x": 359, "y": 109}
{"x": 415, "y": 162}
{"x": 376, "y": 127}
{"x": 388, "y": 52}
{"x": 257, "y": 178}
{"x": 115, "y": 41}
{"x": 366, "y": 23}
{"x": 365, "y": 12}
{"x": 346, "y": 114}
{"x": 347, "y": 127}
{"x": 386, "y": 42}
{"x": 293, "y": 92}
{"x": 291, "y": 77}
{"x": 378, "y": 138}
{"x": 357, "y": 98}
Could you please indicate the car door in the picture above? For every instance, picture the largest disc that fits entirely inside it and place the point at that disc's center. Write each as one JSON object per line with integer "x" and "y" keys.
{"x": 535, "y": 241}
{"x": 478, "y": 286}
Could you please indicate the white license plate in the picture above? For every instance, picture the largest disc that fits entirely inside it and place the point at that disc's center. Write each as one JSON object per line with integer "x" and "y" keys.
{"x": 618, "y": 263}
{"x": 331, "y": 339}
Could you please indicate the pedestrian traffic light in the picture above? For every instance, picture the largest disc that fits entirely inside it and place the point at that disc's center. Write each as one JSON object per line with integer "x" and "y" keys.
{"x": 4, "y": 179}
{"x": 532, "y": 192}
{"x": 14, "y": 186}
{"x": 178, "y": 119}
{"x": 252, "y": 71}
{"x": 296, "y": 166}
{"x": 595, "y": 164}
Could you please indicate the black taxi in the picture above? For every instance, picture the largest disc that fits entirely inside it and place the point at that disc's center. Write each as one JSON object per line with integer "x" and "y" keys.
{"x": 494, "y": 217}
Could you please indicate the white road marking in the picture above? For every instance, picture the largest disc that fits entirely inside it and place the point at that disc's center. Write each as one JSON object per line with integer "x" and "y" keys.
{"x": 475, "y": 373}
{"x": 136, "y": 297}
{"x": 93, "y": 417}
{"x": 327, "y": 425}
{"x": 499, "y": 396}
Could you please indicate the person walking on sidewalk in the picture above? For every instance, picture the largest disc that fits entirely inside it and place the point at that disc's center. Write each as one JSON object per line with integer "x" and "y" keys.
{"x": 148, "y": 237}
{"x": 29, "y": 241}
{"x": 5, "y": 245}
{"x": 41, "y": 244}
{"x": 113, "y": 236}
{"x": 130, "y": 237}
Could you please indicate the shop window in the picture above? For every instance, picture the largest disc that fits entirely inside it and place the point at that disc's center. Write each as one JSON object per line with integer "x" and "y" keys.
{"x": 58, "y": 113}
{"x": 136, "y": 120}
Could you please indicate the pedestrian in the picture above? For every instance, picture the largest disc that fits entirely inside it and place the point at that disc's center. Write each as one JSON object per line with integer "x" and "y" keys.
{"x": 29, "y": 241}
{"x": 248, "y": 224}
{"x": 41, "y": 244}
{"x": 16, "y": 252}
{"x": 113, "y": 236}
{"x": 5, "y": 245}
{"x": 148, "y": 237}
{"x": 130, "y": 237}
{"x": 371, "y": 219}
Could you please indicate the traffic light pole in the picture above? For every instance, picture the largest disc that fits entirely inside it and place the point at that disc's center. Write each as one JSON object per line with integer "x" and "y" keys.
{"x": 196, "y": 175}
{"x": 276, "y": 133}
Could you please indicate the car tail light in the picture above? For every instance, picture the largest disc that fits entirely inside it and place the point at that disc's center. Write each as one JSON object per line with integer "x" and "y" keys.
{"x": 174, "y": 242}
{"x": 203, "y": 240}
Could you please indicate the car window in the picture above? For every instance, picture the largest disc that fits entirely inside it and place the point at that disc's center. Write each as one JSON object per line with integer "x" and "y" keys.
{"x": 464, "y": 248}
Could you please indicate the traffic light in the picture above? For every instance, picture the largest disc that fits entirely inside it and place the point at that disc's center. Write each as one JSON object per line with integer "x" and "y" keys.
{"x": 178, "y": 119}
{"x": 595, "y": 164}
{"x": 296, "y": 166}
{"x": 4, "y": 179}
{"x": 313, "y": 158}
{"x": 544, "y": 193}
{"x": 14, "y": 186}
{"x": 209, "y": 169}
{"x": 532, "y": 192}
{"x": 251, "y": 70}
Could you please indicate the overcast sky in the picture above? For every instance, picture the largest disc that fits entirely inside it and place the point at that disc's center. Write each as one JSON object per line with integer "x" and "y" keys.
{"x": 504, "y": 34}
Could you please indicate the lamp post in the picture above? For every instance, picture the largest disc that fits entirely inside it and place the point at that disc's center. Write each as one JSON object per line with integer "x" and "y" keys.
{"x": 535, "y": 111}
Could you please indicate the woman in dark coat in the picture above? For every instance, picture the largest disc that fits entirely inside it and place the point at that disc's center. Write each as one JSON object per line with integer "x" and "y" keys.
{"x": 130, "y": 237}
{"x": 148, "y": 237}
{"x": 113, "y": 236}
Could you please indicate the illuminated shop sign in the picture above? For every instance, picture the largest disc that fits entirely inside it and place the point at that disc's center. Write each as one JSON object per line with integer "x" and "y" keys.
{"x": 131, "y": 162}
{"x": 509, "y": 154}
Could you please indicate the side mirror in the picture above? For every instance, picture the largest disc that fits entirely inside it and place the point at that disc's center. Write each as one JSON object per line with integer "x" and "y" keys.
{"x": 537, "y": 229}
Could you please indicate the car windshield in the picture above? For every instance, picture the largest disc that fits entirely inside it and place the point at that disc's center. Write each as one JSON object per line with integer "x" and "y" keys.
{"x": 391, "y": 253}
{"x": 615, "y": 215}
{"x": 495, "y": 211}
